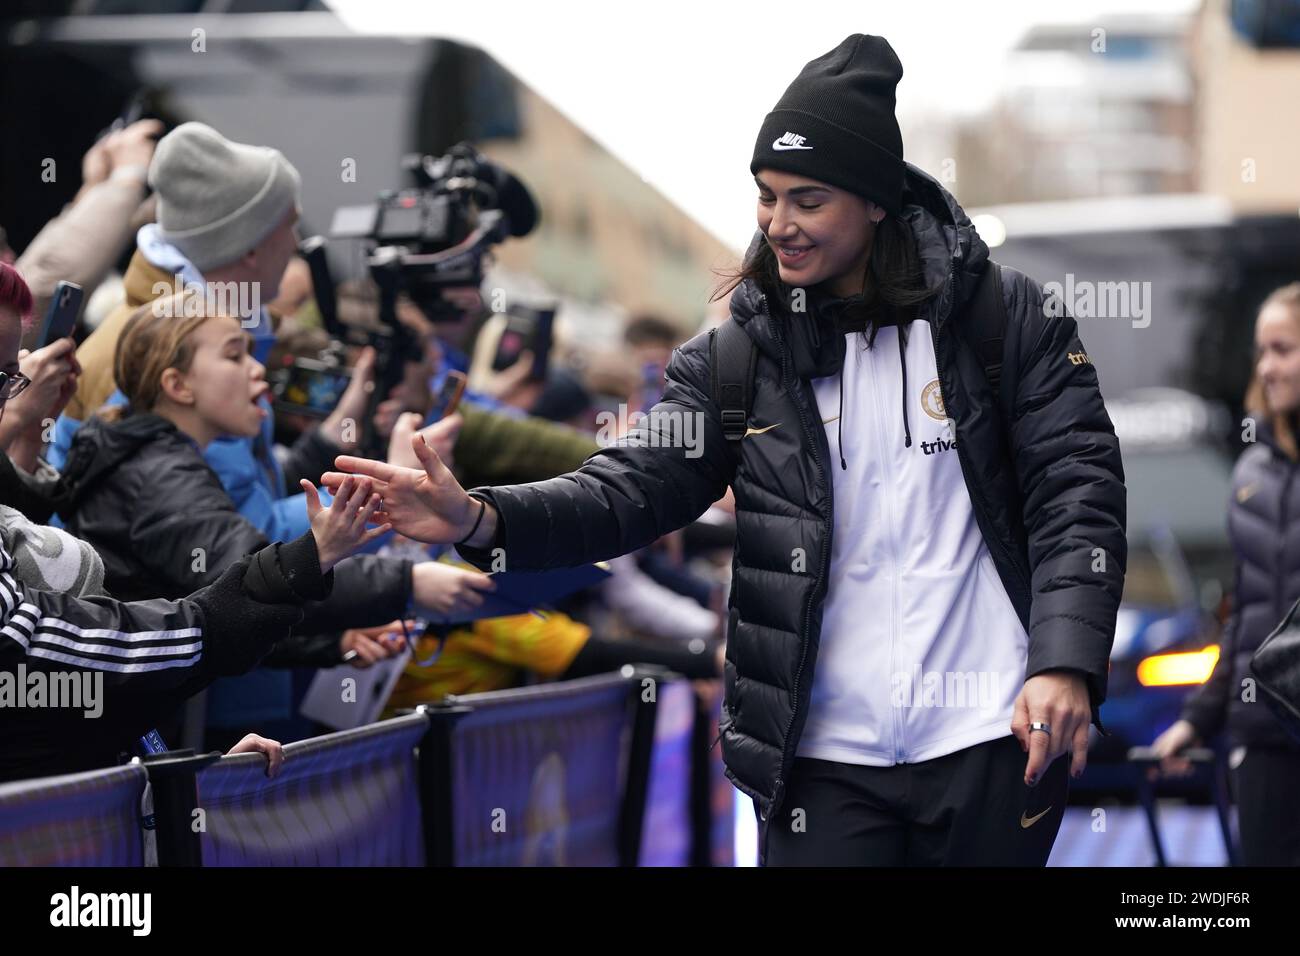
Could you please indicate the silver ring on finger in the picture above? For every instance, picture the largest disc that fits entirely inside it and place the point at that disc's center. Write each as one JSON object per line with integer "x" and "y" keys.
{"x": 1040, "y": 725}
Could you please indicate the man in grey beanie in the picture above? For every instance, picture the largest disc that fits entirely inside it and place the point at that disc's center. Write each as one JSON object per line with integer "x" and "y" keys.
{"x": 218, "y": 200}
{"x": 226, "y": 214}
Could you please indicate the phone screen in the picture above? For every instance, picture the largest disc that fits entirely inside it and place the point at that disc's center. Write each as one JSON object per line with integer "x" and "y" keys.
{"x": 310, "y": 390}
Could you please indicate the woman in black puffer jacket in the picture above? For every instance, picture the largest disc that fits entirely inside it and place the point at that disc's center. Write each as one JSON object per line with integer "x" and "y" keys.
{"x": 1264, "y": 527}
{"x": 915, "y": 504}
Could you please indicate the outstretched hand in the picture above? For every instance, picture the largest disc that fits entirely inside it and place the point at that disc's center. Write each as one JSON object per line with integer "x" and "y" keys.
{"x": 341, "y": 529}
{"x": 428, "y": 505}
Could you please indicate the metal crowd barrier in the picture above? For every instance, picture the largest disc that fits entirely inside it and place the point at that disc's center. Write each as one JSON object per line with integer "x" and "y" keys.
{"x": 603, "y": 771}
{"x": 553, "y": 774}
{"x": 667, "y": 835}
{"x": 344, "y": 799}
{"x": 1204, "y": 760}
{"x": 83, "y": 819}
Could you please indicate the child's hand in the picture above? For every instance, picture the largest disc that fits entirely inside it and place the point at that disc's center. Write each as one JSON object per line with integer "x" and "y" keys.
{"x": 255, "y": 744}
{"x": 340, "y": 529}
{"x": 429, "y": 505}
{"x": 369, "y": 645}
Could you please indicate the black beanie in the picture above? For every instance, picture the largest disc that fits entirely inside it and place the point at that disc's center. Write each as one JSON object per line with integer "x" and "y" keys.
{"x": 835, "y": 123}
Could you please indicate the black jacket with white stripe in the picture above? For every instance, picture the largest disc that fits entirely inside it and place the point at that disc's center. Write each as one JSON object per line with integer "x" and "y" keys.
{"x": 140, "y": 491}
{"x": 64, "y": 658}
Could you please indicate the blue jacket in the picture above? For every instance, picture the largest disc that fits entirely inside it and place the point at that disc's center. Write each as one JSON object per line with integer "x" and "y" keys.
{"x": 246, "y": 466}
{"x": 247, "y": 469}
{"x": 251, "y": 477}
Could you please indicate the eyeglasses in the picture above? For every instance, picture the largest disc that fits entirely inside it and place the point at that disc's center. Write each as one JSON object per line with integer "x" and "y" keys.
{"x": 12, "y": 385}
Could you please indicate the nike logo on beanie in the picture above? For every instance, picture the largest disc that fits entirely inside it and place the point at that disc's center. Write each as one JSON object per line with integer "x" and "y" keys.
{"x": 790, "y": 141}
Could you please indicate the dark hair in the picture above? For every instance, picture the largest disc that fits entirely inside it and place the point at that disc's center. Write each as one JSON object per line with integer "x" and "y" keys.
{"x": 651, "y": 330}
{"x": 892, "y": 285}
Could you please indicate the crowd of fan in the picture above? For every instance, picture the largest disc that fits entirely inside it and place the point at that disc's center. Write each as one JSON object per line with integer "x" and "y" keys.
{"x": 148, "y": 533}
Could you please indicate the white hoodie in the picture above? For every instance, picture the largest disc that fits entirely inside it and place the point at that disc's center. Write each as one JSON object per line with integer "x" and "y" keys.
{"x": 922, "y": 653}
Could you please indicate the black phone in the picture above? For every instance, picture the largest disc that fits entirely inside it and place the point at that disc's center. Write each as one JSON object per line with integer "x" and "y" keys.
{"x": 143, "y": 104}
{"x": 526, "y": 329}
{"x": 61, "y": 317}
{"x": 448, "y": 397}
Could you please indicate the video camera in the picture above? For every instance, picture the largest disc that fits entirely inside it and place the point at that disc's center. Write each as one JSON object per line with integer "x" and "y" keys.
{"x": 421, "y": 241}
{"x": 435, "y": 236}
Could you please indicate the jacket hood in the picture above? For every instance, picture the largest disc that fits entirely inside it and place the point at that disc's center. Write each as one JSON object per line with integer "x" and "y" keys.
{"x": 101, "y": 447}
{"x": 946, "y": 242}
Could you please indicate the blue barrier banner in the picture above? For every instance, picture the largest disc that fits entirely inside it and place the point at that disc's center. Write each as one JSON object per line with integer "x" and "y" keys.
{"x": 666, "y": 830}
{"x": 538, "y": 774}
{"x": 83, "y": 819}
{"x": 344, "y": 799}
{"x": 722, "y": 795}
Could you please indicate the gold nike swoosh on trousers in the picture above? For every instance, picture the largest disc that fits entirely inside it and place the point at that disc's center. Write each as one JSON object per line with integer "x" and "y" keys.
{"x": 1027, "y": 822}
{"x": 759, "y": 431}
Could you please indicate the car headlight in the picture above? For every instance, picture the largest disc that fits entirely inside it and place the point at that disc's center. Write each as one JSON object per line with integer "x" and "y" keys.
{"x": 1168, "y": 670}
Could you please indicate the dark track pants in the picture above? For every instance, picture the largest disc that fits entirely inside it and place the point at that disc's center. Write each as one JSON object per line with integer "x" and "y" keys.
{"x": 968, "y": 808}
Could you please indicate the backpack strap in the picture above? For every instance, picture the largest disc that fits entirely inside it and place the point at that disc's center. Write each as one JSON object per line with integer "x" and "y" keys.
{"x": 986, "y": 321}
{"x": 732, "y": 359}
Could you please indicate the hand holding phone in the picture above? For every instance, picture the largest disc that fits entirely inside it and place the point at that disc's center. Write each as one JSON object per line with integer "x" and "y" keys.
{"x": 134, "y": 144}
{"x": 526, "y": 329}
{"x": 52, "y": 372}
{"x": 61, "y": 317}
{"x": 441, "y": 436}
{"x": 448, "y": 397}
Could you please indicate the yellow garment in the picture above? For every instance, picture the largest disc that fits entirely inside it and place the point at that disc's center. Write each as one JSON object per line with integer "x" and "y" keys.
{"x": 490, "y": 654}
{"x": 95, "y": 355}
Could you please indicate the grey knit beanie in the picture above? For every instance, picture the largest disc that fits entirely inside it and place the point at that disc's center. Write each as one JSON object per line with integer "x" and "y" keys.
{"x": 217, "y": 199}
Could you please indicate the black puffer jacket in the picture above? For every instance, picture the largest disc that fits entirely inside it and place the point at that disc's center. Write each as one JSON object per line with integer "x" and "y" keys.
{"x": 140, "y": 491}
{"x": 1043, "y": 509}
{"x": 147, "y": 657}
{"x": 1264, "y": 528}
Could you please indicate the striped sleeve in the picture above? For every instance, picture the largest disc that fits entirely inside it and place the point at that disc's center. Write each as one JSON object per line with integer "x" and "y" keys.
{"x": 161, "y": 641}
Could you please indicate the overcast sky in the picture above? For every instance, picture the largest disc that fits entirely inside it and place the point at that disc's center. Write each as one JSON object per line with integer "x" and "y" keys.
{"x": 677, "y": 90}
